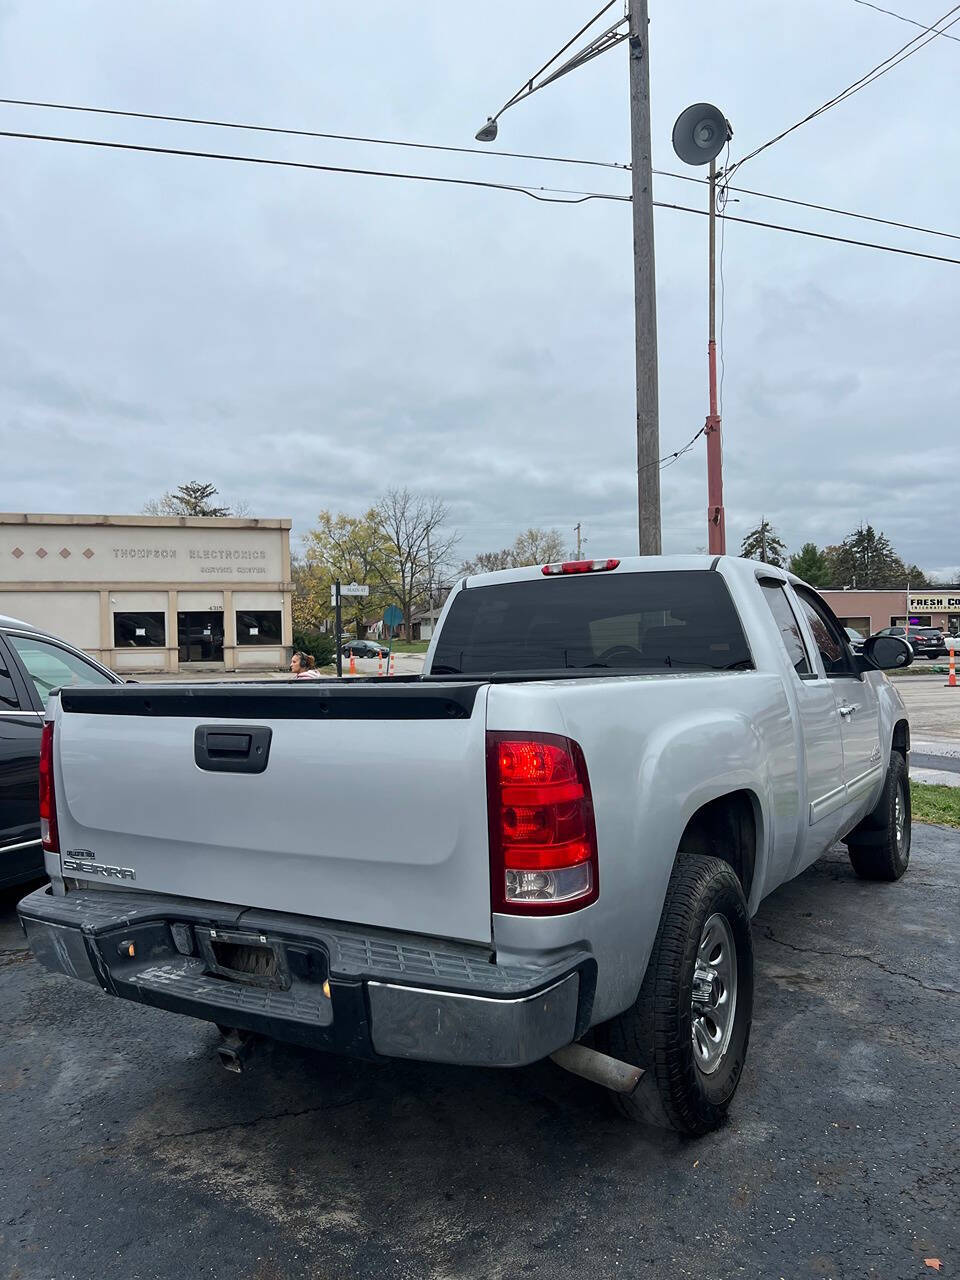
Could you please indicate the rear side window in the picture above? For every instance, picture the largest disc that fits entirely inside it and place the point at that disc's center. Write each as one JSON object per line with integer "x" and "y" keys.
{"x": 50, "y": 667}
{"x": 786, "y": 621}
{"x": 8, "y": 694}
{"x": 626, "y": 622}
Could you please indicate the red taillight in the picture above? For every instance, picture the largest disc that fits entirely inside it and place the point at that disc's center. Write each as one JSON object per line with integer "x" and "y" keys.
{"x": 579, "y": 566}
{"x": 543, "y": 841}
{"x": 48, "y": 800}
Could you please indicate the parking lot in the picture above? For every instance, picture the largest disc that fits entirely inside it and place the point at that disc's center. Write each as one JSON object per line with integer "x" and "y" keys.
{"x": 128, "y": 1152}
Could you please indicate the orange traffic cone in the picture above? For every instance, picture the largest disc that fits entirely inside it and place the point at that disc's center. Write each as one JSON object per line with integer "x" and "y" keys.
{"x": 353, "y": 663}
{"x": 392, "y": 666}
{"x": 952, "y": 679}
{"x": 379, "y": 664}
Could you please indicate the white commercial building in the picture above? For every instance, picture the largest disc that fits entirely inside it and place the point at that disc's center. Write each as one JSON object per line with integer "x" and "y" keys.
{"x": 153, "y": 593}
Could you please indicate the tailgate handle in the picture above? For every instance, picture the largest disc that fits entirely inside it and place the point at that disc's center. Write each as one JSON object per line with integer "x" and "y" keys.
{"x": 242, "y": 748}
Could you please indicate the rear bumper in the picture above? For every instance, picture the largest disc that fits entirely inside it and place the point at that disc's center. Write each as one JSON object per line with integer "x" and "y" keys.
{"x": 364, "y": 993}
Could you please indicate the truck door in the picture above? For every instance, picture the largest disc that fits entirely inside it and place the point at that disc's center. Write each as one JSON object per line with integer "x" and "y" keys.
{"x": 20, "y": 853}
{"x": 857, "y": 706}
{"x": 820, "y": 748}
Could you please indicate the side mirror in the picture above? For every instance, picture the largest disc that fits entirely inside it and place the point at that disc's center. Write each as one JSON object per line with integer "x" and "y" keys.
{"x": 888, "y": 652}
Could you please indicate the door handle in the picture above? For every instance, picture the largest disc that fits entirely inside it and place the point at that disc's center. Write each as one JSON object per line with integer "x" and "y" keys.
{"x": 242, "y": 748}
{"x": 849, "y": 708}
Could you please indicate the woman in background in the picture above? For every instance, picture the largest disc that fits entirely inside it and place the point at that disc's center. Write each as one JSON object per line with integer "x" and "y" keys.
{"x": 302, "y": 666}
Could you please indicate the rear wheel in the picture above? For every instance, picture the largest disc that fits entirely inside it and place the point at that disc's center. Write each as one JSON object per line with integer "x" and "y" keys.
{"x": 690, "y": 1024}
{"x": 879, "y": 849}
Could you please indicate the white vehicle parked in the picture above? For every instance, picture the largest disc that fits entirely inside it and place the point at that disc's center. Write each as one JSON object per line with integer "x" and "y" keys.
{"x": 549, "y": 844}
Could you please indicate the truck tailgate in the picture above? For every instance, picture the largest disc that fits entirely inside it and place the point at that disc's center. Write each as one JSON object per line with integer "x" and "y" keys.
{"x": 371, "y": 808}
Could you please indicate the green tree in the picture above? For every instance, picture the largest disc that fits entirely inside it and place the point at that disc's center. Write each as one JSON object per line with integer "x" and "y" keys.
{"x": 762, "y": 543}
{"x": 866, "y": 560}
{"x": 191, "y": 499}
{"x": 811, "y": 564}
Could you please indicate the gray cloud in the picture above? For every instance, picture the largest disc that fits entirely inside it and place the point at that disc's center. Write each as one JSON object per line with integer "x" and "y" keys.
{"x": 305, "y": 340}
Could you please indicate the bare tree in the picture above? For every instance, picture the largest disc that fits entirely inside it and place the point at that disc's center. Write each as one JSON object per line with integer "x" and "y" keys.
{"x": 533, "y": 546}
{"x": 488, "y": 562}
{"x": 538, "y": 546}
{"x": 416, "y": 544}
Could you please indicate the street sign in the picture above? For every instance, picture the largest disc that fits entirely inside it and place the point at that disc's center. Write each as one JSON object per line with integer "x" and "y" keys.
{"x": 392, "y": 616}
{"x": 354, "y": 589}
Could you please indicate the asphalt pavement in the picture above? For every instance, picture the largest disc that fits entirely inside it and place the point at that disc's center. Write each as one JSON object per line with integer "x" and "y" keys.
{"x": 128, "y": 1153}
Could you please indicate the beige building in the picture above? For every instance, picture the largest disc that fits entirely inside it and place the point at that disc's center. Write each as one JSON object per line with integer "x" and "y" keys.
{"x": 153, "y": 593}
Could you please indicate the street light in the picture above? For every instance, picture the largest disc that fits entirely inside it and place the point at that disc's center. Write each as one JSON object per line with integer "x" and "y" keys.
{"x": 699, "y": 135}
{"x": 644, "y": 276}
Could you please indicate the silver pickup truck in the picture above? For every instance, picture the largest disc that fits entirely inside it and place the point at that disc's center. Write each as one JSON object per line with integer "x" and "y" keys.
{"x": 551, "y": 843}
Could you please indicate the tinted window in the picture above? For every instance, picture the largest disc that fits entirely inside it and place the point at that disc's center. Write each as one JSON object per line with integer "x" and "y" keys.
{"x": 259, "y": 628}
{"x": 787, "y": 625}
{"x": 8, "y": 694}
{"x": 139, "y": 630}
{"x": 50, "y": 667}
{"x": 627, "y": 622}
{"x": 827, "y": 635}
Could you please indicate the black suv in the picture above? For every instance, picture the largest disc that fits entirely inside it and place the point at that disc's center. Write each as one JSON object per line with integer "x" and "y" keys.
{"x": 32, "y": 664}
{"x": 926, "y": 642}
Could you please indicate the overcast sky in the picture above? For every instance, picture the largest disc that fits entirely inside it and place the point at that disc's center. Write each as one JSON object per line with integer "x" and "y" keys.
{"x": 304, "y": 340}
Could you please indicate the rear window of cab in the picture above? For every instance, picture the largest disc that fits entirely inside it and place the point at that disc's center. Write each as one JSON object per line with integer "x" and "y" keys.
{"x": 628, "y": 622}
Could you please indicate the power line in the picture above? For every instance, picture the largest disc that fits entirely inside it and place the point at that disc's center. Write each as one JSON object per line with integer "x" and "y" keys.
{"x": 903, "y": 18}
{"x": 906, "y": 51}
{"x": 575, "y": 197}
{"x": 528, "y": 86}
{"x": 820, "y": 208}
{"x": 543, "y": 194}
{"x": 482, "y": 151}
{"x": 301, "y": 133}
{"x": 816, "y": 235}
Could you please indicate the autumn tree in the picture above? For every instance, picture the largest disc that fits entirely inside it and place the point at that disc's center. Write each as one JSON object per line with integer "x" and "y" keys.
{"x": 353, "y": 549}
{"x": 762, "y": 543}
{"x": 811, "y": 564}
{"x": 533, "y": 546}
{"x": 194, "y": 498}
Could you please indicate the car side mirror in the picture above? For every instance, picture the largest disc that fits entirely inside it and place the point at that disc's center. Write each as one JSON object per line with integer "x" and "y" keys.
{"x": 888, "y": 652}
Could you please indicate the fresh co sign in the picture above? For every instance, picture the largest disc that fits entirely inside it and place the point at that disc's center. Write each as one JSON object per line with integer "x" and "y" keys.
{"x": 940, "y": 603}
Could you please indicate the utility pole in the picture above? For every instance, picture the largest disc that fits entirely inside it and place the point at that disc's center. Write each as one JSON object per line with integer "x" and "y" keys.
{"x": 716, "y": 520}
{"x": 338, "y": 625}
{"x": 644, "y": 282}
{"x": 576, "y": 529}
{"x": 429, "y": 585}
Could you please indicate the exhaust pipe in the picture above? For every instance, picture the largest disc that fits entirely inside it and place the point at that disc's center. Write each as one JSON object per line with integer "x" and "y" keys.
{"x": 600, "y": 1068}
{"x": 234, "y": 1049}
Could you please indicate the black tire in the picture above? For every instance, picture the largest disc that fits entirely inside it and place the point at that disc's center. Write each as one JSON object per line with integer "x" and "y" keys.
{"x": 878, "y": 851}
{"x": 656, "y": 1032}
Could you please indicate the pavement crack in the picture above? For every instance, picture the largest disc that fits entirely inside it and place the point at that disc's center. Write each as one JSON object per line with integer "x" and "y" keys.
{"x": 860, "y": 955}
{"x": 264, "y": 1119}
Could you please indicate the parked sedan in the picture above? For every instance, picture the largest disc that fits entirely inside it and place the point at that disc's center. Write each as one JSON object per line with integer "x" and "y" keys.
{"x": 32, "y": 664}
{"x": 855, "y": 638}
{"x": 365, "y": 649}
{"x": 926, "y": 642}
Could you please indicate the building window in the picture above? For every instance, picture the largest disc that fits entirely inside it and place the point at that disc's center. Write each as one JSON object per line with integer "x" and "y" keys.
{"x": 139, "y": 631}
{"x": 857, "y": 624}
{"x": 259, "y": 628}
